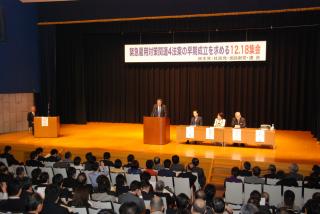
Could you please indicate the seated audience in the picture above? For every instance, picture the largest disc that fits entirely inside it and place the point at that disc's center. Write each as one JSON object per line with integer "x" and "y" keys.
{"x": 313, "y": 204}
{"x": 14, "y": 203}
{"x": 199, "y": 171}
{"x": 39, "y": 152}
{"x": 64, "y": 163}
{"x": 20, "y": 174}
{"x": 249, "y": 208}
{"x": 254, "y": 179}
{"x": 160, "y": 191}
{"x": 8, "y": 156}
{"x": 288, "y": 202}
{"x": 80, "y": 197}
{"x": 34, "y": 160}
{"x": 200, "y": 194}
{"x": 68, "y": 157}
{"x": 272, "y": 172}
{"x": 219, "y": 206}
{"x": 145, "y": 176}
{"x": 146, "y": 190}
{"x": 117, "y": 167}
{"x": 149, "y": 168}
{"x": 129, "y": 208}
{"x": 176, "y": 166}
{"x": 199, "y": 206}
{"x": 77, "y": 163}
{"x": 27, "y": 189}
{"x": 285, "y": 180}
{"x": 106, "y": 159}
{"x": 255, "y": 198}
{"x": 70, "y": 181}
{"x": 35, "y": 176}
{"x": 57, "y": 180}
{"x": 130, "y": 160}
{"x": 34, "y": 204}
{"x": 103, "y": 191}
{"x": 210, "y": 191}
{"x": 3, "y": 188}
{"x": 166, "y": 171}
{"x": 156, "y": 205}
{"x": 90, "y": 161}
{"x": 51, "y": 202}
{"x": 121, "y": 186}
{"x": 157, "y": 165}
{"x": 133, "y": 195}
{"x": 183, "y": 204}
{"x": 94, "y": 174}
{"x": 293, "y": 172}
{"x": 134, "y": 169}
{"x": 54, "y": 156}
{"x": 234, "y": 176}
{"x": 188, "y": 174}
{"x": 43, "y": 180}
{"x": 82, "y": 182}
{"x": 246, "y": 169}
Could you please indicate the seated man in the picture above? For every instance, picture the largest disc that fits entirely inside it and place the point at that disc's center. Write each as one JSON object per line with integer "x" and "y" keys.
{"x": 167, "y": 172}
{"x": 272, "y": 172}
{"x": 196, "y": 120}
{"x": 157, "y": 164}
{"x": 247, "y": 169}
{"x": 149, "y": 168}
{"x": 156, "y": 205}
{"x": 133, "y": 195}
{"x": 233, "y": 178}
{"x": 255, "y": 179}
{"x": 14, "y": 203}
{"x": 93, "y": 175}
{"x": 176, "y": 166}
{"x": 238, "y": 121}
{"x": 188, "y": 174}
{"x": 70, "y": 181}
{"x": 54, "y": 157}
{"x": 199, "y": 171}
{"x": 7, "y": 155}
{"x": 106, "y": 159}
{"x": 134, "y": 169}
{"x": 51, "y": 201}
{"x": 34, "y": 160}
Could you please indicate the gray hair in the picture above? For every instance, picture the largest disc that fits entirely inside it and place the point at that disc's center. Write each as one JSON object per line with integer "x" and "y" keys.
{"x": 156, "y": 204}
{"x": 159, "y": 186}
{"x": 294, "y": 168}
{"x": 249, "y": 209}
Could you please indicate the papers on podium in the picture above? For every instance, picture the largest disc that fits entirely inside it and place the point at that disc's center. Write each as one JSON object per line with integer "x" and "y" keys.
{"x": 260, "y": 136}
{"x": 236, "y": 134}
{"x": 210, "y": 133}
{"x": 44, "y": 121}
{"x": 190, "y": 132}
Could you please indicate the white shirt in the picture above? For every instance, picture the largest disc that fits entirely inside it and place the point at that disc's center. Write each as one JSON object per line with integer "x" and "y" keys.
{"x": 219, "y": 123}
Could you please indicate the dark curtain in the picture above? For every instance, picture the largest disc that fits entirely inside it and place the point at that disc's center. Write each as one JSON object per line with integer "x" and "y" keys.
{"x": 94, "y": 84}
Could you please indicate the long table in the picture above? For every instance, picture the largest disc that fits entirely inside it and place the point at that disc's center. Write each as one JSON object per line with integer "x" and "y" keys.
{"x": 226, "y": 136}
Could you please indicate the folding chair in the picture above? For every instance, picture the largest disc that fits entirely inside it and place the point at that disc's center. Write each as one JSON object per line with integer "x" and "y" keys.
{"x": 168, "y": 181}
{"x": 298, "y": 194}
{"x": 182, "y": 185}
{"x": 62, "y": 171}
{"x": 275, "y": 195}
{"x": 248, "y": 188}
{"x": 132, "y": 177}
{"x": 234, "y": 193}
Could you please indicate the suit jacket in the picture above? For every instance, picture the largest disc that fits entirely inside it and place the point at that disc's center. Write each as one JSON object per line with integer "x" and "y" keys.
{"x": 13, "y": 205}
{"x": 241, "y": 122}
{"x": 201, "y": 176}
{"x": 52, "y": 208}
{"x": 163, "y": 111}
{"x": 10, "y": 159}
{"x": 166, "y": 173}
{"x": 254, "y": 180}
{"x": 34, "y": 163}
{"x": 195, "y": 122}
{"x": 30, "y": 118}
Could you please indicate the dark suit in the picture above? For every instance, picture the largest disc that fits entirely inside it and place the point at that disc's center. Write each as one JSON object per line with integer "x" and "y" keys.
{"x": 162, "y": 113}
{"x": 52, "y": 158}
{"x": 196, "y": 122}
{"x": 34, "y": 163}
{"x": 30, "y": 118}
{"x": 50, "y": 207}
{"x": 13, "y": 205}
{"x": 201, "y": 176}
{"x": 166, "y": 173}
{"x": 192, "y": 177}
{"x": 10, "y": 159}
{"x": 241, "y": 122}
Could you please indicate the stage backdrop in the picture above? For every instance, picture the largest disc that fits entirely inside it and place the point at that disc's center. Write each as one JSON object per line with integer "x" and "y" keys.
{"x": 84, "y": 76}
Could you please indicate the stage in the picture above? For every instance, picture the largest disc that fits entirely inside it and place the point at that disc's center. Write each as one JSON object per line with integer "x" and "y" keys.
{"x": 123, "y": 138}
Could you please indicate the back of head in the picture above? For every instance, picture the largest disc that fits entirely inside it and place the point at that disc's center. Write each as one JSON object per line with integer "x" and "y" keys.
{"x": 199, "y": 206}
{"x": 53, "y": 152}
{"x": 95, "y": 166}
{"x": 156, "y": 160}
{"x": 175, "y": 159}
{"x": 130, "y": 158}
{"x": 135, "y": 185}
{"x": 103, "y": 183}
{"x": 235, "y": 171}
{"x": 247, "y": 165}
{"x": 135, "y": 164}
{"x": 33, "y": 155}
{"x": 34, "y": 203}
{"x": 159, "y": 186}
{"x": 77, "y": 161}
{"x": 82, "y": 178}
{"x": 255, "y": 197}
{"x": 106, "y": 155}
{"x": 71, "y": 172}
{"x": 195, "y": 161}
{"x": 81, "y": 196}
{"x": 149, "y": 164}
{"x": 88, "y": 156}
{"x": 200, "y": 194}
{"x": 210, "y": 191}
{"x": 156, "y": 204}
{"x": 20, "y": 171}
{"x": 117, "y": 164}
{"x": 43, "y": 177}
{"x": 14, "y": 187}
{"x": 272, "y": 168}
{"x": 167, "y": 163}
{"x": 7, "y": 149}
{"x": 218, "y": 205}
{"x": 256, "y": 171}
{"x": 39, "y": 150}
{"x": 145, "y": 176}
{"x": 57, "y": 179}
{"x": 67, "y": 155}
{"x": 182, "y": 201}
{"x": 35, "y": 173}
{"x": 129, "y": 208}
{"x": 294, "y": 168}
{"x": 249, "y": 209}
{"x": 288, "y": 198}
{"x": 120, "y": 180}
{"x": 52, "y": 193}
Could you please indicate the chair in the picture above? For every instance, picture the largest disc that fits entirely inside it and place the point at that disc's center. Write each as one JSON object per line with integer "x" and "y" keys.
{"x": 92, "y": 210}
{"x": 49, "y": 171}
{"x": 274, "y": 192}
{"x": 101, "y": 204}
{"x": 308, "y": 193}
{"x": 234, "y": 193}
{"x": 113, "y": 176}
{"x": 132, "y": 177}
{"x": 297, "y": 192}
{"x": 79, "y": 210}
{"x": 48, "y": 164}
{"x": 116, "y": 207}
{"x": 4, "y": 161}
{"x": 241, "y": 178}
{"x": 13, "y": 169}
{"x": 29, "y": 169}
{"x": 272, "y": 181}
{"x": 168, "y": 181}
{"x": 153, "y": 178}
{"x": 62, "y": 171}
{"x": 87, "y": 174}
{"x": 182, "y": 185}
{"x": 248, "y": 188}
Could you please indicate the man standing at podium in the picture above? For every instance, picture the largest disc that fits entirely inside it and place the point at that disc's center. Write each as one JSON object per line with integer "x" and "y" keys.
{"x": 30, "y": 119}
{"x": 159, "y": 109}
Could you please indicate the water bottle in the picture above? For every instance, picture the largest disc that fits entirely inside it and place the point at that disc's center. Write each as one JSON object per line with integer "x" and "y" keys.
{"x": 272, "y": 127}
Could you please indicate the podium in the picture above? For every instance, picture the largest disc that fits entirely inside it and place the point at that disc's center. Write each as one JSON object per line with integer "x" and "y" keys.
{"x": 46, "y": 126}
{"x": 156, "y": 130}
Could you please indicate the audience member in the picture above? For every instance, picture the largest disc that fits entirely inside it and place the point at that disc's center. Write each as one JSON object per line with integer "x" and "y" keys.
{"x": 39, "y": 152}
{"x": 246, "y": 169}
{"x": 146, "y": 190}
{"x": 288, "y": 202}
{"x": 35, "y": 173}
{"x": 183, "y": 204}
{"x": 188, "y": 174}
{"x": 117, "y": 167}
{"x": 14, "y": 203}
{"x": 121, "y": 186}
{"x": 272, "y": 172}
{"x": 254, "y": 179}
{"x": 82, "y": 182}
{"x": 94, "y": 174}
{"x": 167, "y": 172}
{"x": 149, "y": 168}
{"x": 249, "y": 209}
{"x": 54, "y": 156}
{"x": 129, "y": 208}
{"x": 134, "y": 169}
{"x": 34, "y": 160}
{"x": 157, "y": 165}
{"x": 199, "y": 171}
{"x": 51, "y": 202}
{"x": 34, "y": 204}
{"x": 77, "y": 163}
{"x": 80, "y": 197}
{"x": 106, "y": 159}
{"x": 176, "y": 166}
{"x": 130, "y": 159}
{"x": 64, "y": 163}
{"x": 156, "y": 205}
{"x": 70, "y": 181}
{"x": 210, "y": 191}
{"x": 103, "y": 191}
{"x": 134, "y": 195}
{"x": 8, "y": 156}
{"x": 234, "y": 176}
{"x": 160, "y": 191}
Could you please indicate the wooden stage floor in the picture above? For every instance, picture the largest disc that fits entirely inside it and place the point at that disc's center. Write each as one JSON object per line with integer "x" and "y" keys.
{"x": 122, "y": 138}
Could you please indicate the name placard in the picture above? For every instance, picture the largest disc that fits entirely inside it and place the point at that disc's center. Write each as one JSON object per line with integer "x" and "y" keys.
{"x": 210, "y": 133}
{"x": 190, "y": 132}
{"x": 236, "y": 134}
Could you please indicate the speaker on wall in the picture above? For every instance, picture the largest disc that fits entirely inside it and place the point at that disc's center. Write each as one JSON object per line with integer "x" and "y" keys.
{"x": 2, "y": 28}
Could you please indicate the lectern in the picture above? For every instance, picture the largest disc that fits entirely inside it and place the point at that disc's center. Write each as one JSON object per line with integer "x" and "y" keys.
{"x": 46, "y": 126}
{"x": 156, "y": 130}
